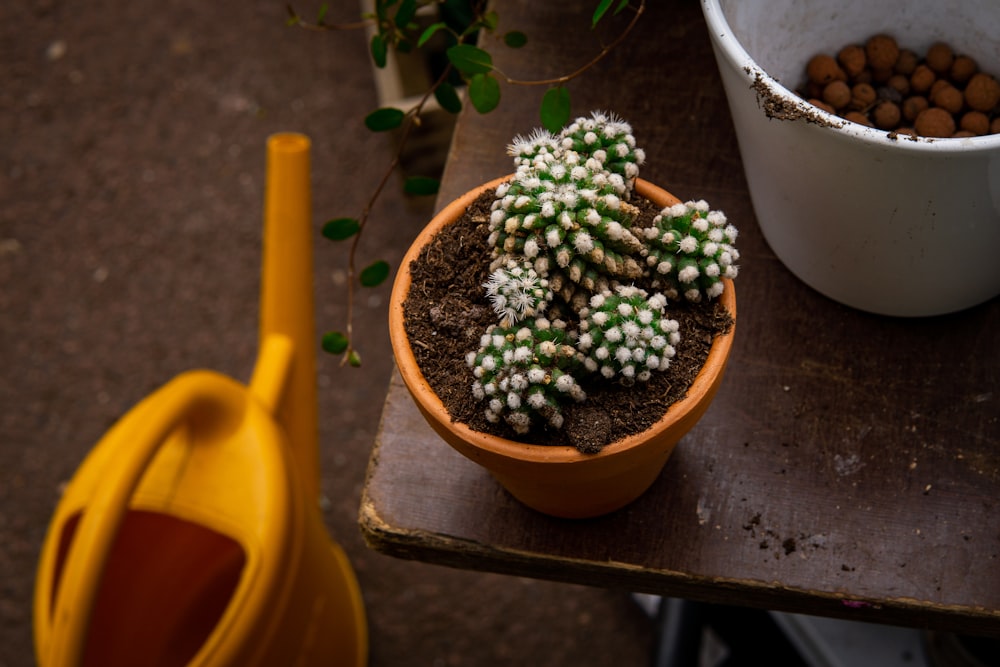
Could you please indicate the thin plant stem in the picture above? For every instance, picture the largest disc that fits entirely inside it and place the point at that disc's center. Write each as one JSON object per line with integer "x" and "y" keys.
{"x": 560, "y": 80}
{"x": 412, "y": 119}
{"x": 322, "y": 26}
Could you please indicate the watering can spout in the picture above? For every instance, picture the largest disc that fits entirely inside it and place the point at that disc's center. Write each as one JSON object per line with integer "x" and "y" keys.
{"x": 284, "y": 379}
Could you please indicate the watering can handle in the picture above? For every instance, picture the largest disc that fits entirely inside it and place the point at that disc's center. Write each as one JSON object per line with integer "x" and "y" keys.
{"x": 212, "y": 405}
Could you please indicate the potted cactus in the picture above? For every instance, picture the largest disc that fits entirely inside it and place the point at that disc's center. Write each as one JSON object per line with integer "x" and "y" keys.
{"x": 583, "y": 265}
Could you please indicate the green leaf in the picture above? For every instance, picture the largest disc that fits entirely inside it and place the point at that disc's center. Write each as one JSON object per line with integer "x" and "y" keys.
{"x": 323, "y": 9}
{"x": 515, "y": 39}
{"x": 354, "y": 359}
{"x": 470, "y": 60}
{"x": 447, "y": 97}
{"x": 429, "y": 32}
{"x": 334, "y": 342}
{"x": 405, "y": 13}
{"x": 375, "y": 273}
{"x": 421, "y": 185}
{"x": 341, "y": 228}
{"x": 484, "y": 92}
{"x": 379, "y": 50}
{"x": 555, "y": 109}
{"x": 602, "y": 7}
{"x": 489, "y": 21}
{"x": 384, "y": 119}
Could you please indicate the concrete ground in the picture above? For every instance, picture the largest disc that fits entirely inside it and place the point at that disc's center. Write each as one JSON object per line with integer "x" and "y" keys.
{"x": 131, "y": 169}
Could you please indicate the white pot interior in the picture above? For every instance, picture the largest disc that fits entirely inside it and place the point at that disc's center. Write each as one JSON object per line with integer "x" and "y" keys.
{"x": 884, "y": 224}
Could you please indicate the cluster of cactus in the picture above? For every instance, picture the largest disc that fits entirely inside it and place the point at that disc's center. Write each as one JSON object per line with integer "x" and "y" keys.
{"x": 526, "y": 370}
{"x": 567, "y": 209}
{"x": 517, "y": 292}
{"x": 627, "y": 334}
{"x": 567, "y": 251}
{"x": 690, "y": 249}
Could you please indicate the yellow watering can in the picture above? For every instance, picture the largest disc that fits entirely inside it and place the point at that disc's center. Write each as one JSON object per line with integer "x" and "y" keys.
{"x": 191, "y": 535}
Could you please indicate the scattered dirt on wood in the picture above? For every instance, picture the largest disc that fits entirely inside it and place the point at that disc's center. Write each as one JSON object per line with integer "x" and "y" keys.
{"x": 447, "y": 311}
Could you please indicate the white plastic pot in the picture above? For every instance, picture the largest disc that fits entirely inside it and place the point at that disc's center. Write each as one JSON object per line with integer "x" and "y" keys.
{"x": 888, "y": 225}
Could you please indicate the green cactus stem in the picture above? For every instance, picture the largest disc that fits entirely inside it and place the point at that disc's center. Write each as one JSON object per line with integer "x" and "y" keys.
{"x": 690, "y": 251}
{"x": 567, "y": 206}
{"x": 524, "y": 373}
{"x": 626, "y": 334}
{"x": 517, "y": 292}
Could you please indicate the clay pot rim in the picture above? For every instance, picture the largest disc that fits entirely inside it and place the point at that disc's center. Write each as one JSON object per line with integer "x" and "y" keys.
{"x": 429, "y": 401}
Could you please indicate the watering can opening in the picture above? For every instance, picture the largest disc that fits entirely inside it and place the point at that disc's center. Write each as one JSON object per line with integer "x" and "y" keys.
{"x": 167, "y": 584}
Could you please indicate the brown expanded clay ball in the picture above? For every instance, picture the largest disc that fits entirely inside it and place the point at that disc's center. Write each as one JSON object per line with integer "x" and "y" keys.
{"x": 962, "y": 69}
{"x": 852, "y": 59}
{"x": 862, "y": 96}
{"x": 934, "y": 122}
{"x": 922, "y": 79}
{"x": 837, "y": 94}
{"x": 886, "y": 115}
{"x": 882, "y": 53}
{"x": 949, "y": 98}
{"x": 935, "y": 87}
{"x": 975, "y": 122}
{"x": 823, "y": 69}
{"x": 940, "y": 57}
{"x": 900, "y": 83}
{"x": 982, "y": 92}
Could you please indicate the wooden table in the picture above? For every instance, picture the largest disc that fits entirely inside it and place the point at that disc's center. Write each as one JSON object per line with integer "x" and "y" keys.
{"x": 850, "y": 465}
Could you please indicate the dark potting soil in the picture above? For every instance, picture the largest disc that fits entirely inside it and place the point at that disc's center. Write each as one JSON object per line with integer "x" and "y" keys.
{"x": 447, "y": 312}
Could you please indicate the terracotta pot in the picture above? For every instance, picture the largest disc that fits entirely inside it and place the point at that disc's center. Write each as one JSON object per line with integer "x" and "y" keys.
{"x": 559, "y": 480}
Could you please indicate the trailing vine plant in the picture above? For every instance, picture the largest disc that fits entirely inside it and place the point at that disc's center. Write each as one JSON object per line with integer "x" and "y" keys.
{"x": 468, "y": 63}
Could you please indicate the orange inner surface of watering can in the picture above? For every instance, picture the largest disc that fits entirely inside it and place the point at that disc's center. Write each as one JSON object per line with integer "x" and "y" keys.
{"x": 140, "y": 610}
{"x": 191, "y": 534}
